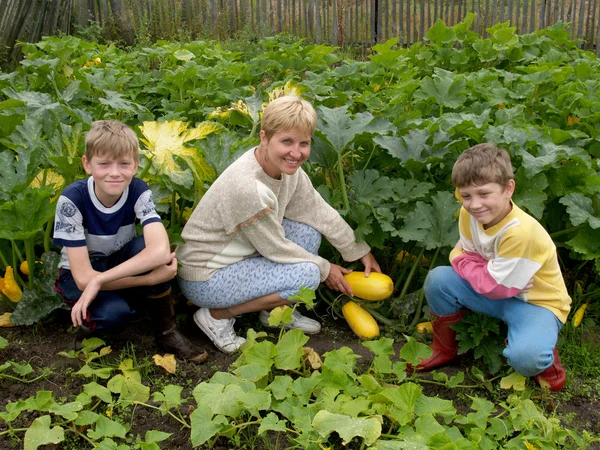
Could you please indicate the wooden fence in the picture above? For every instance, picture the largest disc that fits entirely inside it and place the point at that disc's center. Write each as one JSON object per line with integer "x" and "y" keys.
{"x": 366, "y": 22}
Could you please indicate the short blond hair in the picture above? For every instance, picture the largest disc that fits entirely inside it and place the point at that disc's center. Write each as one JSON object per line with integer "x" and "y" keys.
{"x": 286, "y": 113}
{"x": 482, "y": 164}
{"x": 111, "y": 138}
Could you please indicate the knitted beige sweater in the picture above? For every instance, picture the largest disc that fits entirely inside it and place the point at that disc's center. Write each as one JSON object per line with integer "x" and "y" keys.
{"x": 240, "y": 217}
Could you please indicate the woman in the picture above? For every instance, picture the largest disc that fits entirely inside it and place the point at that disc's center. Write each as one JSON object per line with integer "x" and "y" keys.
{"x": 252, "y": 242}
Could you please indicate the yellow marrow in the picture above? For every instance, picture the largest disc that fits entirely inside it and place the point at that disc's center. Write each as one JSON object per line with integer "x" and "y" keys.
{"x": 360, "y": 321}
{"x": 376, "y": 286}
{"x": 425, "y": 328}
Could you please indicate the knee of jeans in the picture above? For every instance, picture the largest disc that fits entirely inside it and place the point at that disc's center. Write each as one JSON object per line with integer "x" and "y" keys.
{"x": 528, "y": 360}
{"x": 113, "y": 318}
{"x": 436, "y": 279}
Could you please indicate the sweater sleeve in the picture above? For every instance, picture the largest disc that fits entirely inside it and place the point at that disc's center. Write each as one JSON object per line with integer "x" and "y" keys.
{"x": 307, "y": 206}
{"x": 267, "y": 236}
{"x": 505, "y": 275}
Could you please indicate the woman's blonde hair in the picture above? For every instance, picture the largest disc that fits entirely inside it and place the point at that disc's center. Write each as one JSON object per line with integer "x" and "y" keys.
{"x": 288, "y": 112}
{"x": 111, "y": 138}
{"x": 482, "y": 164}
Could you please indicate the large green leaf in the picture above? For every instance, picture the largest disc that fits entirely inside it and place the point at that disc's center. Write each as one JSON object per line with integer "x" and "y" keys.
{"x": 368, "y": 428}
{"x": 27, "y": 214}
{"x": 289, "y": 350}
{"x": 580, "y": 210}
{"x": 39, "y": 433}
{"x": 444, "y": 88}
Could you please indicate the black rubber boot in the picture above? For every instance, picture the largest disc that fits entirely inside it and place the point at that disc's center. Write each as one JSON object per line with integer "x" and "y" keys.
{"x": 168, "y": 336}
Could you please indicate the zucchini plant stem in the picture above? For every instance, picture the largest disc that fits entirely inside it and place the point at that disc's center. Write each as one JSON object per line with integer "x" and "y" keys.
{"x": 342, "y": 181}
{"x": 411, "y": 274}
{"x": 174, "y": 208}
{"x": 146, "y": 169}
{"x": 30, "y": 253}
{"x": 566, "y": 231}
{"x": 47, "y": 230}
{"x": 16, "y": 263}
{"x": 417, "y": 315}
{"x": 3, "y": 259}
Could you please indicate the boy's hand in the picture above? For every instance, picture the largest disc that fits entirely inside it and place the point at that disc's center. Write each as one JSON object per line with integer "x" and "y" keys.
{"x": 165, "y": 272}
{"x": 370, "y": 264}
{"x": 528, "y": 287}
{"x": 336, "y": 280}
{"x": 79, "y": 311}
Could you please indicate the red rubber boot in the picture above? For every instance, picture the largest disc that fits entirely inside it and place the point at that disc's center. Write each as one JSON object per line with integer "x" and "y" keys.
{"x": 554, "y": 375}
{"x": 444, "y": 344}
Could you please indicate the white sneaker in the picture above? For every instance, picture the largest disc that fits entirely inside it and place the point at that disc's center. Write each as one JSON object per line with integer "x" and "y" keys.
{"x": 309, "y": 326}
{"x": 219, "y": 331}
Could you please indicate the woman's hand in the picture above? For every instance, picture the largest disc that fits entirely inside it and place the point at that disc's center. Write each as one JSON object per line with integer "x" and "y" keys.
{"x": 370, "y": 264}
{"x": 528, "y": 287}
{"x": 336, "y": 281}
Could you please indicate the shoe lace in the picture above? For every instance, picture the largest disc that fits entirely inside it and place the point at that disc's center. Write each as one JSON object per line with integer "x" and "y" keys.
{"x": 225, "y": 331}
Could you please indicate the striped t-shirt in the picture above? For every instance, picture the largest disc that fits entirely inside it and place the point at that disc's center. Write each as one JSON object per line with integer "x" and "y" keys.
{"x": 82, "y": 220}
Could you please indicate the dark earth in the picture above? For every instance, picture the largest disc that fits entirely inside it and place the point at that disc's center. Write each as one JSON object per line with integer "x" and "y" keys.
{"x": 38, "y": 345}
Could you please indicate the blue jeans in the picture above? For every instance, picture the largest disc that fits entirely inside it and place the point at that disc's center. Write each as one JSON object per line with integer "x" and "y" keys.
{"x": 532, "y": 330}
{"x": 111, "y": 310}
{"x": 256, "y": 277}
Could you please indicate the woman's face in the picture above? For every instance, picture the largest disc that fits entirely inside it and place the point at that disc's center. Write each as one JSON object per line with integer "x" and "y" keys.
{"x": 284, "y": 152}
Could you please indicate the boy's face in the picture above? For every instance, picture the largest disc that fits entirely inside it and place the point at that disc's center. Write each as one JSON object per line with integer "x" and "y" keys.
{"x": 489, "y": 203}
{"x": 111, "y": 175}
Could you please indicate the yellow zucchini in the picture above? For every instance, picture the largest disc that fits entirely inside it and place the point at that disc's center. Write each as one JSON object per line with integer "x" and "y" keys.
{"x": 578, "y": 316}
{"x": 425, "y": 328}
{"x": 5, "y": 320}
{"x": 360, "y": 321}
{"x": 11, "y": 289}
{"x": 376, "y": 286}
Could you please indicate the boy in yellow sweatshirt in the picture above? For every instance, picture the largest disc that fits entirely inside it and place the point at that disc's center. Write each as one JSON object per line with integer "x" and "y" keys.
{"x": 505, "y": 266}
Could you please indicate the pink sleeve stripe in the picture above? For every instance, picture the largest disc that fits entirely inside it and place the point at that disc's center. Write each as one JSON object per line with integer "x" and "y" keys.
{"x": 473, "y": 268}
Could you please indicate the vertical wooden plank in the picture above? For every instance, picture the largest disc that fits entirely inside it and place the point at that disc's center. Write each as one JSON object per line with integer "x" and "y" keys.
{"x": 594, "y": 24}
{"x": 394, "y": 21}
{"x": 517, "y": 18}
{"x": 598, "y": 33}
{"x": 556, "y": 18}
{"x": 478, "y": 22}
{"x": 486, "y": 17}
{"x": 532, "y": 15}
{"x": 580, "y": 18}
{"x": 408, "y": 35}
{"x": 510, "y": 12}
{"x": 494, "y": 11}
{"x": 401, "y": 33}
{"x": 414, "y": 21}
{"x": 318, "y": 20}
{"x": 501, "y": 11}
{"x": 562, "y": 10}
{"x": 525, "y": 16}
{"x": 542, "y": 14}
{"x": 422, "y": 19}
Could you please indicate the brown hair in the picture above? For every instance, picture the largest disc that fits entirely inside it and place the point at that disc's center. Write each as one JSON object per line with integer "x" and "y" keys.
{"x": 287, "y": 113}
{"x": 482, "y": 164}
{"x": 112, "y": 138}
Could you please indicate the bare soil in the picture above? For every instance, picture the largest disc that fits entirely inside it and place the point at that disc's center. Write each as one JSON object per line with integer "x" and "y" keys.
{"x": 38, "y": 345}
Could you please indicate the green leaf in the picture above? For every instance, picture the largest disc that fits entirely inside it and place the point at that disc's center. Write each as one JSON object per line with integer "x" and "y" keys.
{"x": 255, "y": 400}
{"x": 156, "y": 436}
{"x": 107, "y": 428}
{"x": 445, "y": 89}
{"x": 203, "y": 425}
{"x": 272, "y": 423}
{"x": 39, "y": 433}
{"x": 69, "y": 411}
{"x": 403, "y": 401}
{"x": 432, "y": 225}
{"x": 21, "y": 369}
{"x": 530, "y": 192}
{"x": 339, "y": 129}
{"x": 369, "y": 187}
{"x": 381, "y": 346}
{"x": 440, "y": 33}
{"x": 169, "y": 396}
{"x": 280, "y": 386}
{"x": 130, "y": 389}
{"x": 305, "y": 296}
{"x": 289, "y": 350}
{"x": 413, "y": 352}
{"x": 580, "y": 210}
{"x": 26, "y": 214}
{"x": 252, "y": 372}
{"x": 36, "y": 304}
{"x": 348, "y": 427}
{"x": 94, "y": 389}
{"x": 514, "y": 381}
{"x": 3, "y": 343}
{"x": 587, "y": 243}
{"x": 220, "y": 399}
